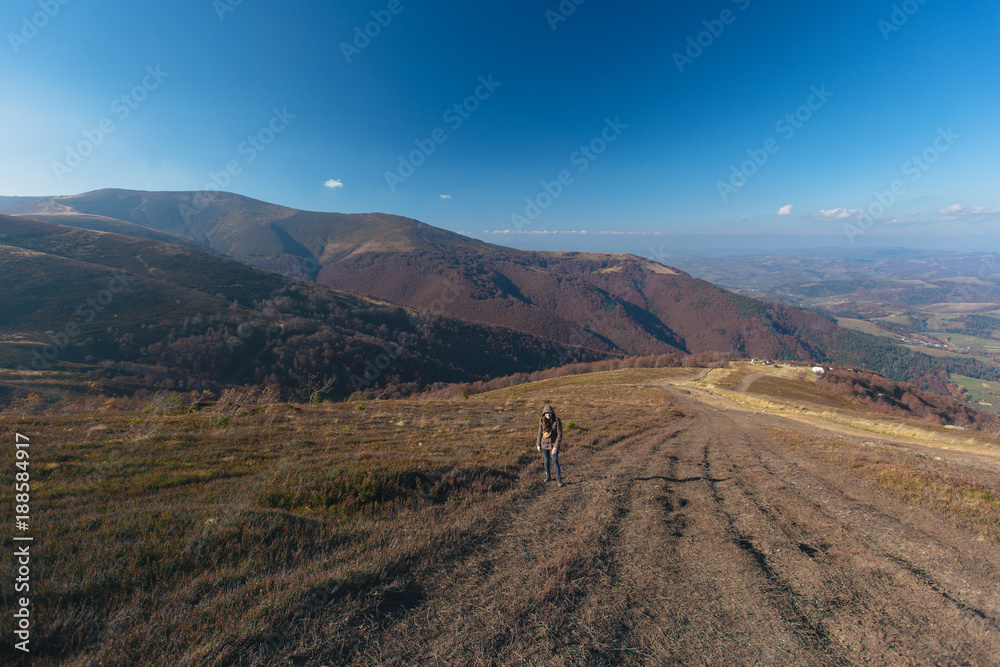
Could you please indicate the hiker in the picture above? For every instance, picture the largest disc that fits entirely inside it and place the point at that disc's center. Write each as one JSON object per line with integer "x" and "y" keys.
{"x": 548, "y": 441}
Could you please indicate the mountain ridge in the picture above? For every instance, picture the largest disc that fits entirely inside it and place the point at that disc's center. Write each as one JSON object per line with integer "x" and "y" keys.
{"x": 130, "y": 313}
{"x": 610, "y": 303}
{"x": 595, "y": 299}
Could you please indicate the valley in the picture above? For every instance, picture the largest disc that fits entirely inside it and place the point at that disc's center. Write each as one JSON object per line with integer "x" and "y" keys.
{"x": 942, "y": 304}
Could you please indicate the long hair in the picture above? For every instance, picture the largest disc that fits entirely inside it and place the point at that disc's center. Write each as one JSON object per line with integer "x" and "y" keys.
{"x": 548, "y": 423}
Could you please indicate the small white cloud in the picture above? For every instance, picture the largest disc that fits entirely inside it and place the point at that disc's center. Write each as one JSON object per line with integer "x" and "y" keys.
{"x": 837, "y": 213}
{"x": 616, "y": 232}
{"x": 333, "y": 183}
{"x": 954, "y": 211}
{"x": 785, "y": 210}
{"x": 445, "y": 196}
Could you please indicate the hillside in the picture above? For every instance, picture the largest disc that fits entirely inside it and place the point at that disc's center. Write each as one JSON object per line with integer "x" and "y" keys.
{"x": 734, "y": 516}
{"x": 123, "y": 312}
{"x": 615, "y": 303}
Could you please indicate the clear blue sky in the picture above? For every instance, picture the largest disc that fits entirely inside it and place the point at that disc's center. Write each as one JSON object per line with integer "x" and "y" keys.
{"x": 892, "y": 84}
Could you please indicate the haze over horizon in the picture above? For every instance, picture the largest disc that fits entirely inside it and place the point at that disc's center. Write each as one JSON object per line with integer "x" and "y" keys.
{"x": 652, "y": 129}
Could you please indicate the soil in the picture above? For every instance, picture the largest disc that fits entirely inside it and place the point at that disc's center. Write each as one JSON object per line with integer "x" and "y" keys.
{"x": 706, "y": 542}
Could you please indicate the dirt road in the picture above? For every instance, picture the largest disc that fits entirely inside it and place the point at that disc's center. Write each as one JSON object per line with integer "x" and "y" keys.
{"x": 705, "y": 541}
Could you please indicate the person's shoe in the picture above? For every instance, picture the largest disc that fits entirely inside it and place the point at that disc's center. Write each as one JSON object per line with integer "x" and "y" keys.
{"x": 548, "y": 479}
{"x": 561, "y": 484}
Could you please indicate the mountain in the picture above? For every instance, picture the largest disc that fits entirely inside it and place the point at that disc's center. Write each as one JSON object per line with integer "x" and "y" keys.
{"x": 611, "y": 302}
{"x": 133, "y": 312}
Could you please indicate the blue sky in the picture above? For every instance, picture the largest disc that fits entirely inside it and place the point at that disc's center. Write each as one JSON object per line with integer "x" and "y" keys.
{"x": 599, "y": 125}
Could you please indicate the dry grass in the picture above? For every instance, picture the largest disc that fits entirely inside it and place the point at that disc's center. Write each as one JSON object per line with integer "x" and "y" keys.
{"x": 968, "y": 495}
{"x": 159, "y": 524}
{"x": 788, "y": 391}
{"x": 971, "y": 496}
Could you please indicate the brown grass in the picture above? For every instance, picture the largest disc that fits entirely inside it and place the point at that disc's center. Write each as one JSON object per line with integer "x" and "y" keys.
{"x": 968, "y": 495}
{"x": 183, "y": 531}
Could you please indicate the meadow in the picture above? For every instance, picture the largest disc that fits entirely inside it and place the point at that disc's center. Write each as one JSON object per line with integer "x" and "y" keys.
{"x": 216, "y": 531}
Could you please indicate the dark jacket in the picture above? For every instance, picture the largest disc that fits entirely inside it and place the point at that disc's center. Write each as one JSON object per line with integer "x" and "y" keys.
{"x": 555, "y": 430}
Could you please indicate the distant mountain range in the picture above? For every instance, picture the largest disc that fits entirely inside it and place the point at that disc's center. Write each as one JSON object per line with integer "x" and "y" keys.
{"x": 898, "y": 287}
{"x": 544, "y": 302}
{"x": 610, "y": 302}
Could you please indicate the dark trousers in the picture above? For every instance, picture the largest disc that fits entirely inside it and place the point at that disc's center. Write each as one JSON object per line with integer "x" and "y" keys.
{"x": 547, "y": 455}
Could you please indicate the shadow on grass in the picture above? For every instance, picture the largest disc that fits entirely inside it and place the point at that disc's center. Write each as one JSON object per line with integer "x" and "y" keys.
{"x": 676, "y": 480}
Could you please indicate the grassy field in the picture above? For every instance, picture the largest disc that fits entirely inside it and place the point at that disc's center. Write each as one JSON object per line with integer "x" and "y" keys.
{"x": 162, "y": 521}
{"x": 984, "y": 395}
{"x": 864, "y": 326}
{"x": 968, "y": 495}
{"x": 972, "y": 342}
{"x": 159, "y": 522}
{"x": 792, "y": 391}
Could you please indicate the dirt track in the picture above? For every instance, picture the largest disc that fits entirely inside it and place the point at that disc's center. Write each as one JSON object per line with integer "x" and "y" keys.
{"x": 702, "y": 542}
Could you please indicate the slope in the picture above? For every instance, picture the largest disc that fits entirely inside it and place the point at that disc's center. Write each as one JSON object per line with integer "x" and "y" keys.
{"x": 616, "y": 303}
{"x": 131, "y": 312}
{"x": 691, "y": 530}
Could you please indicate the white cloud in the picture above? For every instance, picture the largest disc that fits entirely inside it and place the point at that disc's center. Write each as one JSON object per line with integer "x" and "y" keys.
{"x": 785, "y": 210}
{"x": 837, "y": 213}
{"x": 573, "y": 231}
{"x": 445, "y": 196}
{"x": 955, "y": 210}
{"x": 333, "y": 183}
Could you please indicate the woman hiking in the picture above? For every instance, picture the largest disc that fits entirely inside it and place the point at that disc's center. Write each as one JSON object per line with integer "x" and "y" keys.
{"x": 548, "y": 441}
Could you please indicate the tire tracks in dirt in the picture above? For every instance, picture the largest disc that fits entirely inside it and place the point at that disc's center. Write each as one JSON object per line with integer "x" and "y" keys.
{"x": 703, "y": 542}
{"x": 843, "y": 559}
